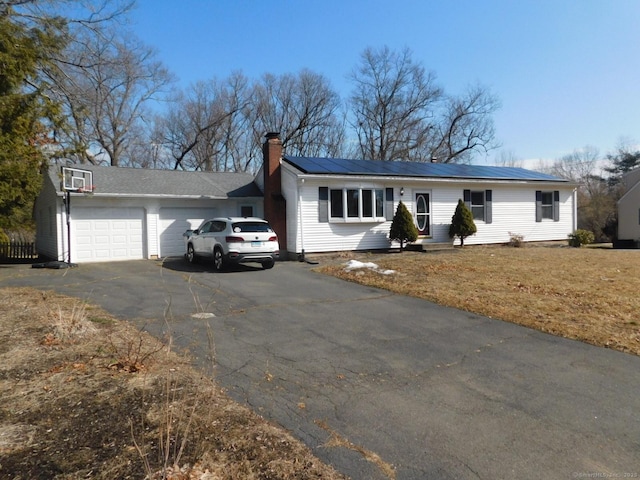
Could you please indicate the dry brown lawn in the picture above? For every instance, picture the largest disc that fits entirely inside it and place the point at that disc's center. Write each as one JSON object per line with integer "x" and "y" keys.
{"x": 588, "y": 294}
{"x": 86, "y": 396}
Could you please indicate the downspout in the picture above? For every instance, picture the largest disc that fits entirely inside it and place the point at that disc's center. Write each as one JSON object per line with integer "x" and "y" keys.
{"x": 301, "y": 256}
{"x": 575, "y": 209}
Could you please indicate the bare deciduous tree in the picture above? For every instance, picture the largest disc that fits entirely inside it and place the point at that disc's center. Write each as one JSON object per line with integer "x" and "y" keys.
{"x": 219, "y": 125}
{"x": 399, "y": 113}
{"x": 106, "y": 85}
{"x": 303, "y": 108}
{"x": 392, "y": 104}
{"x": 596, "y": 202}
{"x": 508, "y": 158}
{"x": 466, "y": 126}
{"x": 203, "y": 127}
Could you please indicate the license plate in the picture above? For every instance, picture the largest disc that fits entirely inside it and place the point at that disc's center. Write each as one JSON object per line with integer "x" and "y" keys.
{"x": 256, "y": 244}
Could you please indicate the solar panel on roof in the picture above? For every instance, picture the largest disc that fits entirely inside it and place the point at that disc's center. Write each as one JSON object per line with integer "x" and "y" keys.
{"x": 335, "y": 166}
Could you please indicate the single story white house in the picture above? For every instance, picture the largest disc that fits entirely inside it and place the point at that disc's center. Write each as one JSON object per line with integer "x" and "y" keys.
{"x": 313, "y": 204}
{"x": 629, "y": 211}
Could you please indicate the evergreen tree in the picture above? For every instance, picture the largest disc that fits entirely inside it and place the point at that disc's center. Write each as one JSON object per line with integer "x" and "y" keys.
{"x": 403, "y": 229}
{"x": 462, "y": 224}
{"x": 25, "y": 117}
{"x": 621, "y": 162}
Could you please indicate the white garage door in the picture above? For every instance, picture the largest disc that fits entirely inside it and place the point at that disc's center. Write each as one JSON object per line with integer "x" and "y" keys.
{"x": 174, "y": 222}
{"x": 107, "y": 234}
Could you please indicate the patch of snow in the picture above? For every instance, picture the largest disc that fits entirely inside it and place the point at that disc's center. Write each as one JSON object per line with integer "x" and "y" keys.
{"x": 357, "y": 265}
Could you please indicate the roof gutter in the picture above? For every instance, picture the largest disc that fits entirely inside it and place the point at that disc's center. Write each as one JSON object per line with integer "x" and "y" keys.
{"x": 153, "y": 195}
{"x": 394, "y": 178}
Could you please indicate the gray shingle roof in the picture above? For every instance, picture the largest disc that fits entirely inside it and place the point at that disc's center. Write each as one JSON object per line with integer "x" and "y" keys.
{"x": 174, "y": 183}
{"x": 336, "y": 166}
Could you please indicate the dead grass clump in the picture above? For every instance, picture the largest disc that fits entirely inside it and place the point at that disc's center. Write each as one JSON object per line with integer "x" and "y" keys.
{"x": 585, "y": 294}
{"x": 71, "y": 322}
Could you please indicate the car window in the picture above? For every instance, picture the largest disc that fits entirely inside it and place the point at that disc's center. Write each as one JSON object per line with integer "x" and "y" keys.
{"x": 251, "y": 227}
{"x": 218, "y": 226}
{"x": 205, "y": 228}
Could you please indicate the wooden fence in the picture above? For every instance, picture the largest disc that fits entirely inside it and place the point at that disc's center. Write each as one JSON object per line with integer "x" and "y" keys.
{"x": 18, "y": 251}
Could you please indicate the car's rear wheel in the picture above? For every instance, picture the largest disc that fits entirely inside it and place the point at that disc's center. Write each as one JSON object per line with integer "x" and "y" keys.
{"x": 218, "y": 260}
{"x": 191, "y": 254}
{"x": 267, "y": 264}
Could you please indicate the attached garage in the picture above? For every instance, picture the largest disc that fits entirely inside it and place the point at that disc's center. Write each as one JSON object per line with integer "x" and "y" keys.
{"x": 134, "y": 213}
{"x": 173, "y": 222}
{"x": 107, "y": 234}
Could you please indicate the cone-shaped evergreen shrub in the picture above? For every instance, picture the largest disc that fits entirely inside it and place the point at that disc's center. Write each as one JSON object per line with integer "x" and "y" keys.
{"x": 462, "y": 224}
{"x": 403, "y": 229}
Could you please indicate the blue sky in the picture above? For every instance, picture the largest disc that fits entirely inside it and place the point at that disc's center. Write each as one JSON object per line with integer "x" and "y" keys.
{"x": 567, "y": 72}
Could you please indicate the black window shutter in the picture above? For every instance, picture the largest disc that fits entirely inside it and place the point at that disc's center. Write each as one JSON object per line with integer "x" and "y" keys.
{"x": 467, "y": 198}
{"x": 538, "y": 205}
{"x": 388, "y": 208}
{"x": 488, "y": 200}
{"x": 389, "y": 194}
{"x": 556, "y": 205}
{"x": 323, "y": 204}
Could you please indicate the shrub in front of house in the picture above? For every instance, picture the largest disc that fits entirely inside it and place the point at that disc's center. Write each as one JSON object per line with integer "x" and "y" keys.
{"x": 581, "y": 237}
{"x": 516, "y": 240}
{"x": 462, "y": 224}
{"x": 403, "y": 229}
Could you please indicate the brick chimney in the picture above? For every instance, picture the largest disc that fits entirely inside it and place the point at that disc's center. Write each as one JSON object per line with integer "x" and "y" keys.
{"x": 275, "y": 206}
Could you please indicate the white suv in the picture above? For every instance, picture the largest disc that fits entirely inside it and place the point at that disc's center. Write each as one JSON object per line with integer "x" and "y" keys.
{"x": 233, "y": 240}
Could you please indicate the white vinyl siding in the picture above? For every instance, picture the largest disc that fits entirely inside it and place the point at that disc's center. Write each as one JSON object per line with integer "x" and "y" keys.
{"x": 48, "y": 216}
{"x": 628, "y": 221}
{"x": 322, "y": 236}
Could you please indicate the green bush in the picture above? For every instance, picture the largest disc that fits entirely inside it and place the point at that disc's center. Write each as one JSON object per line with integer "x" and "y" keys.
{"x": 462, "y": 224}
{"x": 4, "y": 238}
{"x": 402, "y": 227}
{"x": 581, "y": 237}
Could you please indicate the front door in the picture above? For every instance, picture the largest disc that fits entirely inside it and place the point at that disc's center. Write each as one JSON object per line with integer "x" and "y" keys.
{"x": 423, "y": 214}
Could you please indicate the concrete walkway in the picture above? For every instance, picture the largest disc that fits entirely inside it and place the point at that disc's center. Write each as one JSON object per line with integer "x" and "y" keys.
{"x": 433, "y": 392}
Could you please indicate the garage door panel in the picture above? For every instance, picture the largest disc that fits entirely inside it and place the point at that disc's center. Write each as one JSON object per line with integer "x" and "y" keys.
{"x": 104, "y": 234}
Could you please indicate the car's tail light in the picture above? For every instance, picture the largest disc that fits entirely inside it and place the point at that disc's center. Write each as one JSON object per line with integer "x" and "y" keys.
{"x": 231, "y": 239}
{"x": 273, "y": 239}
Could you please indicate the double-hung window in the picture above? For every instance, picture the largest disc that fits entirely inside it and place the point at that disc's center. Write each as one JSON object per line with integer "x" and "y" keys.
{"x": 547, "y": 205}
{"x": 480, "y": 204}
{"x": 356, "y": 204}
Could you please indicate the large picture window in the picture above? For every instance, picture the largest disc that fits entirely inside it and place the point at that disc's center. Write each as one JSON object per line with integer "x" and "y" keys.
{"x": 357, "y": 204}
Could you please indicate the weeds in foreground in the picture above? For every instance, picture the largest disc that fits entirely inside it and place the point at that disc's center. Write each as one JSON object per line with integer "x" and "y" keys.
{"x": 132, "y": 354}
{"x": 74, "y": 324}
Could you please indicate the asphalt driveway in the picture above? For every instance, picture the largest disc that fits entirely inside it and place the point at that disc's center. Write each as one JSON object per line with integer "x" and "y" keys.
{"x": 435, "y": 392}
